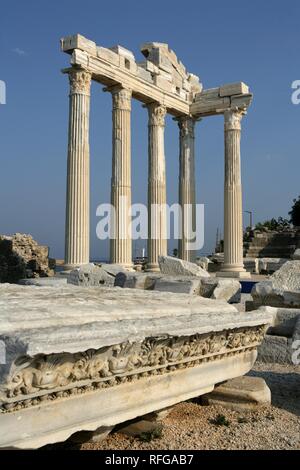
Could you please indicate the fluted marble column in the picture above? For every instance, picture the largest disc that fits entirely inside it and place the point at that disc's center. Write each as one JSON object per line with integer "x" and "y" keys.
{"x": 77, "y": 231}
{"x": 157, "y": 223}
{"x": 121, "y": 242}
{"x": 233, "y": 213}
{"x": 187, "y": 195}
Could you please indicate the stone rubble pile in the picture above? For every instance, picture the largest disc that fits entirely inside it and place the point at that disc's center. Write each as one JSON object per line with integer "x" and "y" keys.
{"x": 91, "y": 275}
{"x": 22, "y": 257}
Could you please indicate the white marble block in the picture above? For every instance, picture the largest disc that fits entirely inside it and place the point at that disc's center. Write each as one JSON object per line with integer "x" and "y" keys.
{"x": 85, "y": 359}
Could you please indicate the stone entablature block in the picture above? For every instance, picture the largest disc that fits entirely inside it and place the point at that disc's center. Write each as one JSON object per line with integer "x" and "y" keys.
{"x": 83, "y": 360}
{"x": 161, "y": 77}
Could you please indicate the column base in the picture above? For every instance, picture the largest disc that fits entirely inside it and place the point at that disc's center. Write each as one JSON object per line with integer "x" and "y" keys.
{"x": 152, "y": 268}
{"x": 70, "y": 267}
{"x": 234, "y": 274}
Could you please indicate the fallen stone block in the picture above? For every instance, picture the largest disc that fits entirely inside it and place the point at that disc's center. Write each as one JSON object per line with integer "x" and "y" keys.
{"x": 281, "y": 343}
{"x": 275, "y": 350}
{"x": 218, "y": 289}
{"x": 179, "y": 285}
{"x": 296, "y": 255}
{"x": 221, "y": 289}
{"x": 203, "y": 263}
{"x": 80, "y": 360}
{"x": 265, "y": 294}
{"x": 269, "y": 265}
{"x": 178, "y": 267}
{"x": 208, "y": 286}
{"x": 91, "y": 275}
{"x": 228, "y": 290}
{"x": 239, "y": 394}
{"x": 284, "y": 321}
{"x": 113, "y": 269}
{"x": 287, "y": 278}
{"x": 136, "y": 280}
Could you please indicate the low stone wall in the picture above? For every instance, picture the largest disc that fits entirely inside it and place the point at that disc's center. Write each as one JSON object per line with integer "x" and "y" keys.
{"x": 22, "y": 257}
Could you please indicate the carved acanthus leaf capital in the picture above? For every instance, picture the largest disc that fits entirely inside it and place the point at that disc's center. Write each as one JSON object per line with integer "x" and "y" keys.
{"x": 157, "y": 114}
{"x": 187, "y": 127}
{"x": 122, "y": 98}
{"x": 80, "y": 82}
{"x": 233, "y": 119}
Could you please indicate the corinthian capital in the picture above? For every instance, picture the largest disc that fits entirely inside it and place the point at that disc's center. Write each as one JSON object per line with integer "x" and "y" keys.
{"x": 121, "y": 98}
{"x": 80, "y": 81}
{"x": 157, "y": 114}
{"x": 233, "y": 119}
{"x": 187, "y": 126}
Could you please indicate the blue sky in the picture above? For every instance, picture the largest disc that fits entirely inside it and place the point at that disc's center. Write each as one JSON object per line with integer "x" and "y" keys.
{"x": 222, "y": 42}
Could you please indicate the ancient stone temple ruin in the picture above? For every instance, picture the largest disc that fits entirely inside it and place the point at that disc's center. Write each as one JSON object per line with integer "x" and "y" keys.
{"x": 162, "y": 84}
{"x": 76, "y": 358}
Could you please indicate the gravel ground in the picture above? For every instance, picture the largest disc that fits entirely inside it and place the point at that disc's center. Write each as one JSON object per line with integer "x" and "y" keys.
{"x": 191, "y": 426}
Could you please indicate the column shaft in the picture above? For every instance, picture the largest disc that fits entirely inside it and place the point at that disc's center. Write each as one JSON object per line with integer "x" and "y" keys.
{"x": 187, "y": 194}
{"x": 233, "y": 212}
{"x": 121, "y": 242}
{"x": 77, "y": 232}
{"x": 157, "y": 223}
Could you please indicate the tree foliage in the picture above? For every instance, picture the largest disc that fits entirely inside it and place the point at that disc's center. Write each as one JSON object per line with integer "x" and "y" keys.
{"x": 273, "y": 225}
{"x": 295, "y": 213}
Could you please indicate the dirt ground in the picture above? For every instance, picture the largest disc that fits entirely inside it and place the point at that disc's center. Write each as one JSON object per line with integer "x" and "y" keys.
{"x": 193, "y": 426}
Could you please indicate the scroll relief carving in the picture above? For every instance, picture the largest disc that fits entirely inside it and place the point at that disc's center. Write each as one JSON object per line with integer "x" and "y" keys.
{"x": 63, "y": 374}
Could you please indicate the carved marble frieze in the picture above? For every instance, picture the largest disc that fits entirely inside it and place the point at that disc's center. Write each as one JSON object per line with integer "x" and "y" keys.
{"x": 33, "y": 380}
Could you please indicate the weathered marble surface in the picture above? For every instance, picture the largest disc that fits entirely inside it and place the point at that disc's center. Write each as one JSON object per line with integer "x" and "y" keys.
{"x": 282, "y": 339}
{"x": 240, "y": 394}
{"x": 83, "y": 357}
{"x": 268, "y": 265}
{"x": 282, "y": 290}
{"x": 179, "y": 285}
{"x": 90, "y": 275}
{"x": 177, "y": 267}
{"x": 228, "y": 290}
{"x": 287, "y": 278}
{"x": 83, "y": 318}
